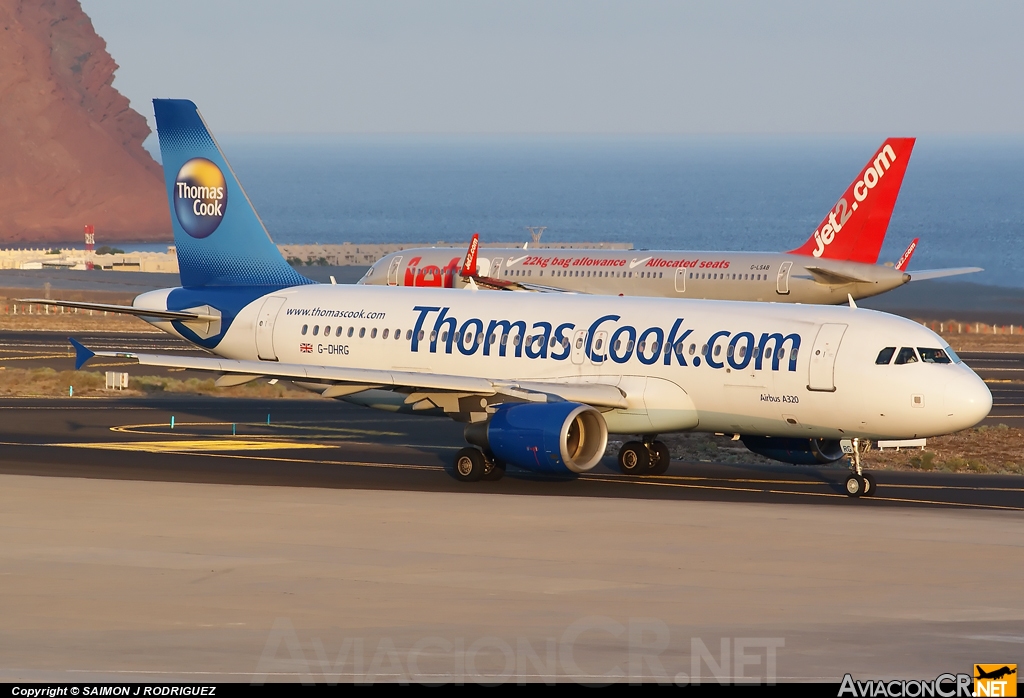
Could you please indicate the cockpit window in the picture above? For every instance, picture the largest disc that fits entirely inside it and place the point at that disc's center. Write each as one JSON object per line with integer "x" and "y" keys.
{"x": 885, "y": 356}
{"x": 933, "y": 356}
{"x": 952, "y": 355}
{"x": 907, "y": 355}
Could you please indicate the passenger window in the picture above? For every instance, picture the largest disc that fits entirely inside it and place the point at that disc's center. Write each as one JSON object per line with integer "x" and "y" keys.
{"x": 408, "y": 334}
{"x": 373, "y": 333}
{"x": 693, "y": 348}
{"x": 433, "y": 335}
{"x": 421, "y": 335}
{"x": 351, "y": 330}
{"x": 885, "y": 356}
{"x": 718, "y": 349}
{"x": 316, "y": 330}
{"x": 385, "y": 335}
{"x": 327, "y": 331}
{"x": 933, "y": 356}
{"x": 906, "y": 356}
{"x": 362, "y": 332}
{"x": 304, "y": 328}
{"x": 337, "y": 332}
{"x": 579, "y": 343}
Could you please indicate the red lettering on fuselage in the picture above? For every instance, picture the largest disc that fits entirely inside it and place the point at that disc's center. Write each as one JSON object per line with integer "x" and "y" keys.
{"x": 431, "y": 275}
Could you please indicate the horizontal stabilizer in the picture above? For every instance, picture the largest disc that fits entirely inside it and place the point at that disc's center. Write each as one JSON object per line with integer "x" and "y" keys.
{"x": 179, "y": 315}
{"x": 833, "y": 278}
{"x": 926, "y": 274}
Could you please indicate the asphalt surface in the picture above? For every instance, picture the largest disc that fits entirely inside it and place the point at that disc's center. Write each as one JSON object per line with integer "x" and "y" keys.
{"x": 328, "y": 444}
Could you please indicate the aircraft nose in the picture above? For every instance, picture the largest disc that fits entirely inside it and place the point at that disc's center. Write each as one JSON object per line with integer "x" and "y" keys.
{"x": 968, "y": 400}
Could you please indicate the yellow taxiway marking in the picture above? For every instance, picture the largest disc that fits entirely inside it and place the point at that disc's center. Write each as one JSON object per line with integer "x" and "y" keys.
{"x": 200, "y": 445}
{"x": 163, "y": 429}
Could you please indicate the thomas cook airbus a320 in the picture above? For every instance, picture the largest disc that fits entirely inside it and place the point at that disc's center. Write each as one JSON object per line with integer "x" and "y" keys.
{"x": 539, "y": 380}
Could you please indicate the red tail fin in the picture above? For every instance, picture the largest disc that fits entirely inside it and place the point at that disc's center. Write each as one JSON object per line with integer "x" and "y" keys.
{"x": 469, "y": 266}
{"x": 855, "y": 227}
{"x": 905, "y": 259}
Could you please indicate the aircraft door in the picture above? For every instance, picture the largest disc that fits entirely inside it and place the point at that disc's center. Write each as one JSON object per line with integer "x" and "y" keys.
{"x": 496, "y": 268}
{"x": 579, "y": 346}
{"x": 680, "y": 280}
{"x": 821, "y": 372}
{"x": 783, "y": 283}
{"x": 393, "y": 270}
{"x": 265, "y": 328}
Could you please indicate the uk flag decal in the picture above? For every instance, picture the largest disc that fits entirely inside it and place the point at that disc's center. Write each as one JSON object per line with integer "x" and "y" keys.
{"x": 306, "y": 348}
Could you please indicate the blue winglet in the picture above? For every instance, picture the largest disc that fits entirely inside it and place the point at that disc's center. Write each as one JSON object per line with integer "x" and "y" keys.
{"x": 82, "y": 353}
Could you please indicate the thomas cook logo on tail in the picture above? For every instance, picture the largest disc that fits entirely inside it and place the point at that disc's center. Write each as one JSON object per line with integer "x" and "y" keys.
{"x": 200, "y": 197}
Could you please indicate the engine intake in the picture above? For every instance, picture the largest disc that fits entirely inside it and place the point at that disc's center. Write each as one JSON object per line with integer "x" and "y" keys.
{"x": 795, "y": 451}
{"x": 552, "y": 437}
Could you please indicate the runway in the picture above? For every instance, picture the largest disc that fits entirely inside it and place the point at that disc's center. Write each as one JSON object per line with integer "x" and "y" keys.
{"x": 331, "y": 545}
{"x": 320, "y": 443}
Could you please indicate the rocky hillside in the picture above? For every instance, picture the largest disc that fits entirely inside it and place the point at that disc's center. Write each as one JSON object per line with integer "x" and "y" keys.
{"x": 70, "y": 146}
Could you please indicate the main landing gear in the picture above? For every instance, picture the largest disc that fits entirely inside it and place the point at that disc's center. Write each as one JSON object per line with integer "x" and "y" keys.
{"x": 472, "y": 464}
{"x": 647, "y": 457}
{"x": 859, "y": 483}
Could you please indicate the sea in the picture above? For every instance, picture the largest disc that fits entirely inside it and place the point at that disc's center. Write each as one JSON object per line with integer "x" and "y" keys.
{"x": 963, "y": 197}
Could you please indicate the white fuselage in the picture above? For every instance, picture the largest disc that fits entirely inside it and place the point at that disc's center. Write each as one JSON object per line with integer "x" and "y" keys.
{"x": 744, "y": 276}
{"x": 723, "y": 370}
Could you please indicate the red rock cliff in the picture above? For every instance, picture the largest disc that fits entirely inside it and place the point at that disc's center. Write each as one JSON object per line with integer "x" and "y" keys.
{"x": 70, "y": 146}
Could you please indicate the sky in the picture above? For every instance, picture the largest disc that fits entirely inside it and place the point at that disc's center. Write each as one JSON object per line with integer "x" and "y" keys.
{"x": 575, "y": 67}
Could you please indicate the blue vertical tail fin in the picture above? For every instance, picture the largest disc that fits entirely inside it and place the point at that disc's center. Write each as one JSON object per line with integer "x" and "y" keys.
{"x": 220, "y": 238}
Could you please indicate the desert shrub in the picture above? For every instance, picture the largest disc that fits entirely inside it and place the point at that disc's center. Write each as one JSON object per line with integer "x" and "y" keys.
{"x": 925, "y": 461}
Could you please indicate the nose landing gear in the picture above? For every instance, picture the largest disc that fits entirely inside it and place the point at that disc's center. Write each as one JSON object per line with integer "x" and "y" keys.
{"x": 859, "y": 483}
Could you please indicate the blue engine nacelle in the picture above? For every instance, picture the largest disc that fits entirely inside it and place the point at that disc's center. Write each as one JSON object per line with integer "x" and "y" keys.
{"x": 550, "y": 437}
{"x": 795, "y": 451}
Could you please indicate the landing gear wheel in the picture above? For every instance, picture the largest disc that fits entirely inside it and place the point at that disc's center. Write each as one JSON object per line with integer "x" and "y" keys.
{"x": 660, "y": 458}
{"x": 469, "y": 465}
{"x": 634, "y": 458}
{"x": 869, "y": 485}
{"x": 493, "y": 470}
{"x": 854, "y": 486}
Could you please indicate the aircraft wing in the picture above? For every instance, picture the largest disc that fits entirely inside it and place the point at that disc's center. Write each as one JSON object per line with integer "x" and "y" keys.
{"x": 926, "y": 274}
{"x": 833, "y": 278}
{"x": 343, "y": 381}
{"x": 502, "y": 285}
{"x": 181, "y": 315}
